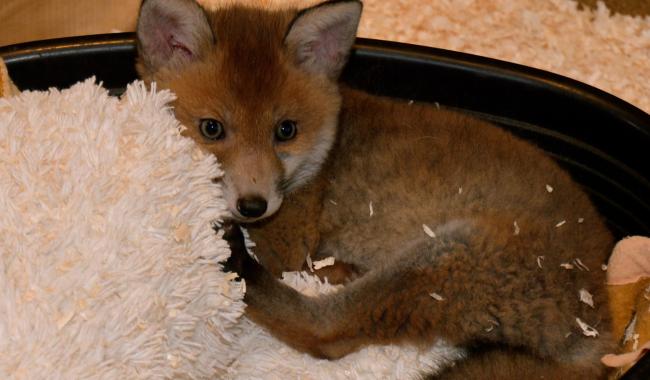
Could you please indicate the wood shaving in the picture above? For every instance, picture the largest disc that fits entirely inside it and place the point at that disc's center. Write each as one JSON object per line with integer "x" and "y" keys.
{"x": 567, "y": 266}
{"x": 323, "y": 263}
{"x": 586, "y": 329}
{"x": 586, "y": 297}
{"x": 581, "y": 265}
{"x": 428, "y": 231}
{"x": 310, "y": 264}
{"x": 540, "y": 260}
{"x": 517, "y": 230}
{"x": 411, "y": 102}
{"x": 604, "y": 267}
{"x": 460, "y": 190}
{"x": 560, "y": 224}
{"x": 333, "y": 202}
{"x": 549, "y": 188}
{"x": 493, "y": 323}
{"x": 372, "y": 210}
{"x": 635, "y": 345}
{"x": 580, "y": 220}
{"x": 436, "y": 296}
{"x": 629, "y": 330}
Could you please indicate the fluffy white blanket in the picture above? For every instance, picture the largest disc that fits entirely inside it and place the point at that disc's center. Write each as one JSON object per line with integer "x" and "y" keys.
{"x": 108, "y": 260}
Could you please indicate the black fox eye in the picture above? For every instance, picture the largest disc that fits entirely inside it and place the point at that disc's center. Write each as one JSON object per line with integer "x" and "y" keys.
{"x": 211, "y": 129}
{"x": 286, "y": 130}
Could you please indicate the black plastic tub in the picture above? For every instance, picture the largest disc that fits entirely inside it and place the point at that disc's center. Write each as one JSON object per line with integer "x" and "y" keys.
{"x": 599, "y": 138}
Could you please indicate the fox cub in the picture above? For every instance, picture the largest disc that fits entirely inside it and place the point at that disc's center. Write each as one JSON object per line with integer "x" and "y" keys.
{"x": 442, "y": 225}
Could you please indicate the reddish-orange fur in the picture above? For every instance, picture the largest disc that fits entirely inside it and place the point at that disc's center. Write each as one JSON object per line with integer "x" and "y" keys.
{"x": 499, "y": 288}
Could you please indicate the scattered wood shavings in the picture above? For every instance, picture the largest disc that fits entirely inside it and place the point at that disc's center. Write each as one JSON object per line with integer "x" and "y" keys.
{"x": 604, "y": 267}
{"x": 567, "y": 266}
{"x": 372, "y": 210}
{"x": 586, "y": 297}
{"x": 549, "y": 188}
{"x": 581, "y": 265}
{"x": 428, "y": 231}
{"x": 586, "y": 329}
{"x": 310, "y": 264}
{"x": 323, "y": 263}
{"x": 460, "y": 190}
{"x": 517, "y": 230}
{"x": 580, "y": 220}
{"x": 540, "y": 260}
{"x": 436, "y": 296}
{"x": 333, "y": 202}
{"x": 560, "y": 224}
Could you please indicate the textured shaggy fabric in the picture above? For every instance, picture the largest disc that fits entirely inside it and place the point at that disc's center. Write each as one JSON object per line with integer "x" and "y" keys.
{"x": 605, "y": 50}
{"x": 108, "y": 262}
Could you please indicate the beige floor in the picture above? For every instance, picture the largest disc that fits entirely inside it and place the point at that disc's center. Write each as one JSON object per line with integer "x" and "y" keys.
{"x": 29, "y": 20}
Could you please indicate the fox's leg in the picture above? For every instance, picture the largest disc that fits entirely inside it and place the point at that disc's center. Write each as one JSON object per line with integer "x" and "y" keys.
{"x": 284, "y": 240}
{"x": 463, "y": 291}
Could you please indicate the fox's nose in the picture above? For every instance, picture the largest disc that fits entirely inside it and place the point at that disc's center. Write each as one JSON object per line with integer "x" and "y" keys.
{"x": 251, "y": 207}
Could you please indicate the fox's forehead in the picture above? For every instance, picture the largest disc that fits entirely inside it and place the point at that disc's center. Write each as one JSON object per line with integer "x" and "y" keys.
{"x": 250, "y": 25}
{"x": 249, "y": 50}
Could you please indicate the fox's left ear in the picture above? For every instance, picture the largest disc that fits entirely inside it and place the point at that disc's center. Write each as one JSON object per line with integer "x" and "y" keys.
{"x": 320, "y": 38}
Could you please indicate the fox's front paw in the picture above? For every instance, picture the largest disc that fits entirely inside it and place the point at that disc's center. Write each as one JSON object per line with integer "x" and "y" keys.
{"x": 239, "y": 261}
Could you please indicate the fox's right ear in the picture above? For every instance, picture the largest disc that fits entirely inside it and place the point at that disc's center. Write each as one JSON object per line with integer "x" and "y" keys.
{"x": 171, "y": 33}
{"x": 320, "y": 37}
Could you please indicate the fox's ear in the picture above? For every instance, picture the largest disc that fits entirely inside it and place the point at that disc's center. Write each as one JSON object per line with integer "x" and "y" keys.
{"x": 320, "y": 38}
{"x": 171, "y": 33}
